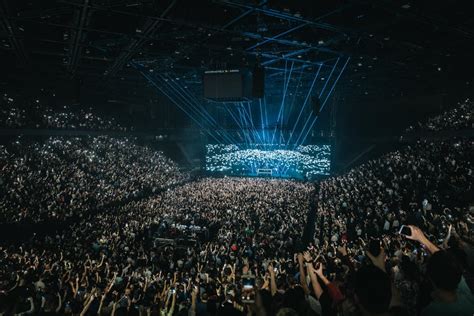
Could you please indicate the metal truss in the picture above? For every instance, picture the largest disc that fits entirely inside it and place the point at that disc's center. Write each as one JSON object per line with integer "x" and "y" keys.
{"x": 82, "y": 18}
{"x": 11, "y": 29}
{"x": 151, "y": 26}
{"x": 288, "y": 17}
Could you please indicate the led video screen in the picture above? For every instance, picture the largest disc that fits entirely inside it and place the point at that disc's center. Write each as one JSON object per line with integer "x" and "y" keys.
{"x": 302, "y": 162}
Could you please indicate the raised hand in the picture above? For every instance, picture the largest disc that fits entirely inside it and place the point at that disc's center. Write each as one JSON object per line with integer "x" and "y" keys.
{"x": 416, "y": 234}
{"x": 195, "y": 292}
{"x": 378, "y": 261}
{"x": 342, "y": 250}
{"x": 307, "y": 256}
{"x": 319, "y": 270}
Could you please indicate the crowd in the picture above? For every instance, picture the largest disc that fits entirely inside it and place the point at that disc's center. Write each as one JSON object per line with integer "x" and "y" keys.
{"x": 61, "y": 177}
{"x": 426, "y": 184}
{"x": 37, "y": 114}
{"x": 235, "y": 246}
{"x": 457, "y": 118}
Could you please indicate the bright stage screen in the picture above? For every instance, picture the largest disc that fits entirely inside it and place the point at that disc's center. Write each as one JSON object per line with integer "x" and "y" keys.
{"x": 302, "y": 162}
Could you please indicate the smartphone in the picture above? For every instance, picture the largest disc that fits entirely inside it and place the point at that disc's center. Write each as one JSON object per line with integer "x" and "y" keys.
{"x": 405, "y": 230}
{"x": 248, "y": 290}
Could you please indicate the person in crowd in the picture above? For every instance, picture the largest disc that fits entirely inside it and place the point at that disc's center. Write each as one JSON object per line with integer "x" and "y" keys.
{"x": 131, "y": 234}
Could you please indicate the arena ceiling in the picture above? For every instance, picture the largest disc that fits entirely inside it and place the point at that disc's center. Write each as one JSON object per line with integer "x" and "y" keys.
{"x": 98, "y": 41}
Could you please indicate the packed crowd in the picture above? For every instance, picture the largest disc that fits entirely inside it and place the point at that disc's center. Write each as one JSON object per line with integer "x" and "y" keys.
{"x": 35, "y": 114}
{"x": 110, "y": 262}
{"x": 429, "y": 185}
{"x": 457, "y": 118}
{"x": 236, "y": 246}
{"x": 61, "y": 177}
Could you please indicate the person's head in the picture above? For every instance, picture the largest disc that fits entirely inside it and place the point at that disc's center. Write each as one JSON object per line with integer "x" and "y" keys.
{"x": 373, "y": 290}
{"x": 444, "y": 271}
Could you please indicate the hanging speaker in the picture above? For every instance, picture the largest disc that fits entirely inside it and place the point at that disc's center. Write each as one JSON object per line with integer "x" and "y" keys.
{"x": 258, "y": 81}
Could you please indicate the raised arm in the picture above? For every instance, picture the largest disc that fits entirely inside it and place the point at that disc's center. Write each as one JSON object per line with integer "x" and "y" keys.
{"x": 32, "y": 306}
{"x": 173, "y": 303}
{"x": 418, "y": 235}
{"x": 318, "y": 291}
{"x": 193, "y": 301}
{"x": 321, "y": 275}
{"x": 301, "y": 261}
{"x": 444, "y": 245}
{"x": 89, "y": 302}
{"x": 273, "y": 287}
{"x": 60, "y": 303}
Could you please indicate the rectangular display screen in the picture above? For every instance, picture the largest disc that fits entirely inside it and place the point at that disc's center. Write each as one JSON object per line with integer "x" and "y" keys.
{"x": 281, "y": 161}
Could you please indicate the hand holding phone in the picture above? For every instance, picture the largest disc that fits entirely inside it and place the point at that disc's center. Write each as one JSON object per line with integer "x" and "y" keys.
{"x": 374, "y": 247}
{"x": 248, "y": 290}
{"x": 405, "y": 230}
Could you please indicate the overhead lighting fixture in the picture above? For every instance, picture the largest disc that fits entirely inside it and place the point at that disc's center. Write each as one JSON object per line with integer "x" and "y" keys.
{"x": 406, "y": 6}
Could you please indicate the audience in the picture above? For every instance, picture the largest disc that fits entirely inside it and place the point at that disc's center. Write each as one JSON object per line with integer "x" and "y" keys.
{"x": 36, "y": 114}
{"x": 62, "y": 177}
{"x": 457, "y": 118}
{"x": 147, "y": 241}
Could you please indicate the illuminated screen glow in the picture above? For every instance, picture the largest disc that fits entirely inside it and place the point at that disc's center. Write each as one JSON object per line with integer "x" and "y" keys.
{"x": 302, "y": 162}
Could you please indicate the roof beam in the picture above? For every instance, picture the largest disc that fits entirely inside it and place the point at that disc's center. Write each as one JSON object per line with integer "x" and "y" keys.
{"x": 153, "y": 25}
{"x": 10, "y": 30}
{"x": 243, "y": 15}
{"x": 277, "y": 36}
{"x": 300, "y": 26}
{"x": 285, "y": 16}
{"x": 291, "y": 43}
{"x": 83, "y": 17}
